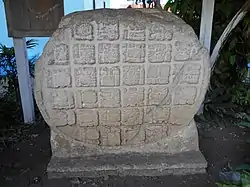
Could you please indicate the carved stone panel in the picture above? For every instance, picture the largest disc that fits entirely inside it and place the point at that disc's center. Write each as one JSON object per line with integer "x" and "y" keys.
{"x": 121, "y": 78}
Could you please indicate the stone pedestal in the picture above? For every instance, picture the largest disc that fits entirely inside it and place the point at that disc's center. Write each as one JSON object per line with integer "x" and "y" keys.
{"x": 119, "y": 89}
{"x": 177, "y": 155}
{"x": 132, "y": 164}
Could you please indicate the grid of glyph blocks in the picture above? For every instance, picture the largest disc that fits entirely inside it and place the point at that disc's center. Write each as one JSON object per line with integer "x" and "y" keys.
{"x": 113, "y": 81}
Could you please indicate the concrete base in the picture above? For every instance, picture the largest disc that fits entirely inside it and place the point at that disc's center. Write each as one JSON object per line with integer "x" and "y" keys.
{"x": 133, "y": 164}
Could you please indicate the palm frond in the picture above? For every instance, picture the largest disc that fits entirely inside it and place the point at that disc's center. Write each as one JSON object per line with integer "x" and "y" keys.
{"x": 223, "y": 38}
{"x": 31, "y": 43}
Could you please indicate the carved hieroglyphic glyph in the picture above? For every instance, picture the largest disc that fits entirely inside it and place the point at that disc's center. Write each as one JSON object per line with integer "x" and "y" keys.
{"x": 121, "y": 77}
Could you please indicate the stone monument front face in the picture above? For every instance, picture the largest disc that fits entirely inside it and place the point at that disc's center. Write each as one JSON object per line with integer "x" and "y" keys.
{"x": 120, "y": 82}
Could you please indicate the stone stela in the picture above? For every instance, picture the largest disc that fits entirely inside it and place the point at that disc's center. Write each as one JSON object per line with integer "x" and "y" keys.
{"x": 120, "y": 88}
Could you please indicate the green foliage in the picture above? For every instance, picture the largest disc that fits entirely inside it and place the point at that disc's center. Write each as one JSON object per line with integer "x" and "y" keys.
{"x": 243, "y": 167}
{"x": 8, "y": 67}
{"x": 245, "y": 181}
{"x": 188, "y": 10}
{"x": 12, "y": 129}
{"x": 10, "y": 107}
{"x": 230, "y": 185}
{"x": 241, "y": 94}
{"x": 9, "y": 110}
{"x": 229, "y": 94}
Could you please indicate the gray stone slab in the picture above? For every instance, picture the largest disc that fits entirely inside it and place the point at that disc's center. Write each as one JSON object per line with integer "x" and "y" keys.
{"x": 124, "y": 84}
{"x": 117, "y": 78}
{"x": 129, "y": 164}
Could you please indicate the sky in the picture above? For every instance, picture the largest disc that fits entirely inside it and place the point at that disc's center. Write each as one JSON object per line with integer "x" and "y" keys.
{"x": 69, "y": 6}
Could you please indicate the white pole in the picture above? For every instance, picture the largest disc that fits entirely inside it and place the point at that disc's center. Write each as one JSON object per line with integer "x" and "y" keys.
{"x": 24, "y": 80}
{"x": 206, "y": 23}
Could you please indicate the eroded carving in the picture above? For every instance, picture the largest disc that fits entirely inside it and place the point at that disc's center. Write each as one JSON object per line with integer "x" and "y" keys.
{"x": 158, "y": 74}
{"x": 134, "y": 53}
{"x": 155, "y": 132}
{"x": 109, "y": 76}
{"x": 159, "y": 32}
{"x": 62, "y": 99}
{"x": 134, "y": 32}
{"x": 190, "y": 74}
{"x": 185, "y": 95}
{"x": 92, "y": 136}
{"x": 159, "y": 53}
{"x": 110, "y": 117}
{"x": 64, "y": 117}
{"x": 108, "y": 30}
{"x": 84, "y": 53}
{"x": 110, "y": 97}
{"x": 87, "y": 117}
{"x": 58, "y": 78}
{"x": 61, "y": 54}
{"x": 132, "y": 116}
{"x": 133, "y": 96}
{"x": 110, "y": 136}
{"x": 116, "y": 80}
{"x": 133, "y": 75}
{"x": 159, "y": 114}
{"x": 132, "y": 135}
{"x": 83, "y": 31}
{"x": 159, "y": 95}
{"x": 86, "y": 98}
{"x": 108, "y": 53}
{"x": 85, "y": 76}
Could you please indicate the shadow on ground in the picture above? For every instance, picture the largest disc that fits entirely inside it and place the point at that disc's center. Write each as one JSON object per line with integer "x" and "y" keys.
{"x": 24, "y": 164}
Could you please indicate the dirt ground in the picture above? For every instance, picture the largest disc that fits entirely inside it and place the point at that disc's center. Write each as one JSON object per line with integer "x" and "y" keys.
{"x": 24, "y": 165}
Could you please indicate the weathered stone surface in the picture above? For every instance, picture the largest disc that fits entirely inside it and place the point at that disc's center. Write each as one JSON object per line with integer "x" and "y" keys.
{"x": 144, "y": 165}
{"x": 119, "y": 81}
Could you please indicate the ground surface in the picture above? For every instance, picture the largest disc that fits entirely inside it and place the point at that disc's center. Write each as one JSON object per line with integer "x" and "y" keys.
{"x": 24, "y": 164}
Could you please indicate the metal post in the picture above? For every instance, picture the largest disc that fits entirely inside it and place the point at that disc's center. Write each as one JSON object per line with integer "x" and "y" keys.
{"x": 24, "y": 80}
{"x": 93, "y": 4}
{"x": 104, "y": 4}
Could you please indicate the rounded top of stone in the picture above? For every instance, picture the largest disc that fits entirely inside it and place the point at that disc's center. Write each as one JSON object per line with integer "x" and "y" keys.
{"x": 121, "y": 77}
